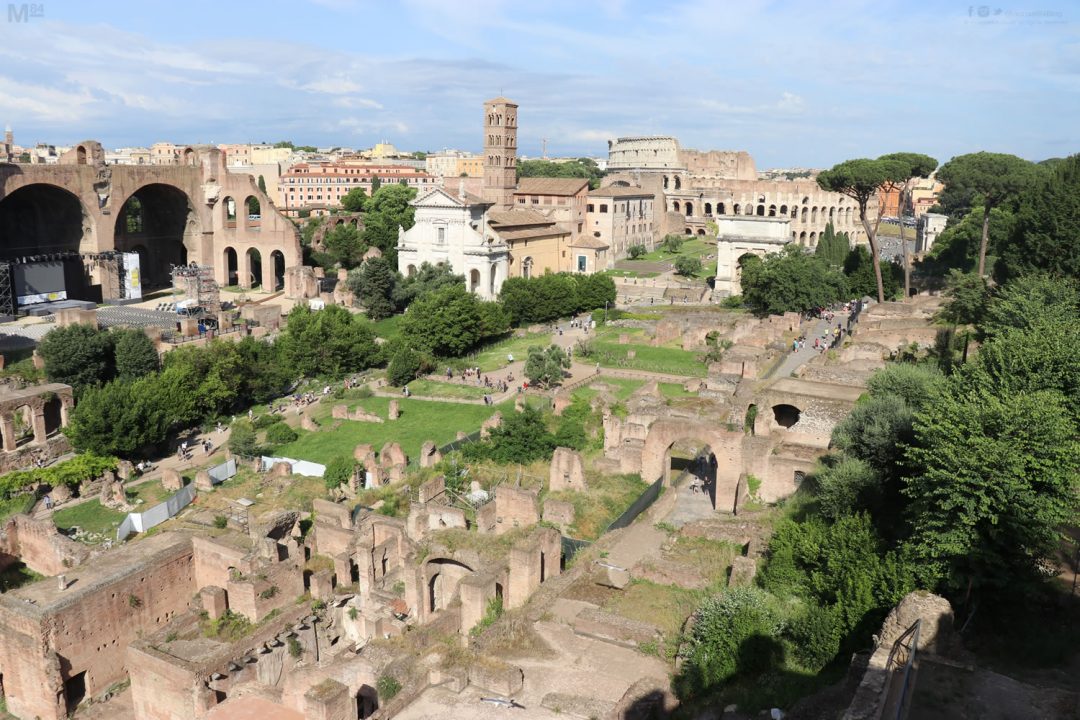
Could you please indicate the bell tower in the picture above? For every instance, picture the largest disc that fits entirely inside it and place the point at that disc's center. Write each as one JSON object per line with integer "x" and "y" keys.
{"x": 500, "y": 152}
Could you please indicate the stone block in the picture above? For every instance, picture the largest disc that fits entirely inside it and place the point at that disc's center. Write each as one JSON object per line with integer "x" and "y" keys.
{"x": 624, "y": 339}
{"x": 567, "y": 471}
{"x": 214, "y": 600}
{"x": 322, "y": 585}
{"x": 631, "y": 354}
{"x": 743, "y": 571}
{"x": 434, "y": 488}
{"x": 329, "y": 700}
{"x": 429, "y": 454}
{"x": 497, "y": 677}
{"x": 490, "y": 424}
{"x": 124, "y": 469}
{"x": 203, "y": 483}
{"x": 171, "y": 480}
{"x": 361, "y": 452}
{"x": 340, "y": 412}
{"x": 395, "y": 410}
{"x": 613, "y": 577}
{"x": 281, "y": 469}
{"x": 308, "y": 423}
{"x": 559, "y": 512}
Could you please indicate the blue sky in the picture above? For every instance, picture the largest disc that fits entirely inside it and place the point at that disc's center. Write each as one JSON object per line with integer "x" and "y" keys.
{"x": 795, "y": 84}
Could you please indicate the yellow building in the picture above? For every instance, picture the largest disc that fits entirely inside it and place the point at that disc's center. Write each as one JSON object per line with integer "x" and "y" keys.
{"x": 537, "y": 244}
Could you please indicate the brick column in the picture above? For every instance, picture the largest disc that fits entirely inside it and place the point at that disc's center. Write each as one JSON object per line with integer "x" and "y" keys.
{"x": 7, "y": 428}
{"x": 39, "y": 425}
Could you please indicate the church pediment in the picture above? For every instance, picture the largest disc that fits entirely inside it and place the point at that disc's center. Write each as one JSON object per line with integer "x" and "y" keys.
{"x": 438, "y": 198}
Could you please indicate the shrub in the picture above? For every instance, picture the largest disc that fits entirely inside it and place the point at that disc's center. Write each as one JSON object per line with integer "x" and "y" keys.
{"x": 280, "y": 434}
{"x": 687, "y": 266}
{"x": 295, "y": 650}
{"x": 815, "y": 637}
{"x": 242, "y": 440}
{"x": 221, "y": 522}
{"x": 264, "y": 421}
{"x": 339, "y": 471}
{"x": 70, "y": 472}
{"x": 404, "y": 367}
{"x": 736, "y": 633}
{"x": 636, "y": 251}
{"x": 673, "y": 243}
{"x": 387, "y": 686}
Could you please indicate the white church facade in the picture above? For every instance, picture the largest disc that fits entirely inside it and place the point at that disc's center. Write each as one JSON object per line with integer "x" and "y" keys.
{"x": 452, "y": 229}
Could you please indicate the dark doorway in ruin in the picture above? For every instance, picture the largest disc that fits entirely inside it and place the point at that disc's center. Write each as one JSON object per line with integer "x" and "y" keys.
{"x": 40, "y": 219}
{"x": 786, "y": 416}
{"x": 354, "y": 571}
{"x": 543, "y": 566}
{"x": 159, "y": 218}
{"x": 499, "y": 591}
{"x": 279, "y": 270}
{"x": 254, "y": 267}
{"x": 220, "y": 696}
{"x": 433, "y": 592}
{"x": 367, "y": 702}
{"x": 74, "y": 691}
{"x": 52, "y": 416}
{"x": 231, "y": 276}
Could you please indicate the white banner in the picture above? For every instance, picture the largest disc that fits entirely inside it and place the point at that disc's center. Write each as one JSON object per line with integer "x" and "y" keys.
{"x": 132, "y": 276}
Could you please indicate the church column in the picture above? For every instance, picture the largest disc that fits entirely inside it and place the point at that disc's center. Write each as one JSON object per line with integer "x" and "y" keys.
{"x": 65, "y": 410}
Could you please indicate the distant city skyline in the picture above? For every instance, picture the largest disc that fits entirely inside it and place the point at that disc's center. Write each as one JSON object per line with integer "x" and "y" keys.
{"x": 794, "y": 84}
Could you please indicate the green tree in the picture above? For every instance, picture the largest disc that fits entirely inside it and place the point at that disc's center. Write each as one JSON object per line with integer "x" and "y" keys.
{"x": 595, "y": 291}
{"x": 344, "y": 245}
{"x": 327, "y": 343}
{"x": 995, "y": 177}
{"x": 428, "y": 278}
{"x": 243, "y": 440}
{"x": 135, "y": 354}
{"x": 636, "y": 251}
{"x": 790, "y": 281}
{"x": 1029, "y": 302}
{"x": 544, "y": 366}
{"x": 968, "y": 296}
{"x": 404, "y": 366}
{"x": 118, "y": 418}
{"x": 581, "y": 168}
{"x": 262, "y": 184}
{"x": 450, "y": 322}
{"x": 374, "y": 284}
{"x": 833, "y": 248}
{"x": 915, "y": 166}
{"x": 522, "y": 438}
{"x": 687, "y": 266}
{"x": 1044, "y": 237}
{"x": 863, "y": 275}
{"x": 673, "y": 243}
{"x": 387, "y": 210}
{"x": 354, "y": 200}
{"x": 77, "y": 355}
{"x": 376, "y": 183}
{"x": 993, "y": 481}
{"x": 862, "y": 180}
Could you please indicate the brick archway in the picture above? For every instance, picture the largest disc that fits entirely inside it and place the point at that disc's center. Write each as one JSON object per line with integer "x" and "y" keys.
{"x": 725, "y": 444}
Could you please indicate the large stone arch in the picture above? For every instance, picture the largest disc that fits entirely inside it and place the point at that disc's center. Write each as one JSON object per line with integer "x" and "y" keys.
{"x": 726, "y": 446}
{"x": 442, "y": 576}
{"x": 168, "y": 227}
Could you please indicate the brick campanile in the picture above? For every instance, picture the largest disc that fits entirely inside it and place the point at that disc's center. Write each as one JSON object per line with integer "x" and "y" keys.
{"x": 500, "y": 152}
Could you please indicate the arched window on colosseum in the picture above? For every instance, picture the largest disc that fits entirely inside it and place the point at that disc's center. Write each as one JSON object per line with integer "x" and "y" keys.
{"x": 772, "y": 211}
{"x": 736, "y": 208}
{"x": 675, "y": 206}
{"x": 720, "y": 209}
{"x": 783, "y": 211}
{"x": 813, "y": 239}
{"x": 678, "y": 182}
{"x": 806, "y": 200}
{"x": 832, "y": 213}
{"x": 761, "y": 211}
{"x": 666, "y": 179}
{"x": 805, "y": 214}
{"x": 749, "y": 209}
{"x": 708, "y": 209}
{"x": 849, "y": 216}
{"x": 689, "y": 209}
{"x": 701, "y": 231}
{"x": 802, "y": 238}
{"x": 813, "y": 215}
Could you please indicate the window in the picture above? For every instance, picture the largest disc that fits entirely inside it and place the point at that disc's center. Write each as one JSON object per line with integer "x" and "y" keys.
{"x": 603, "y": 208}
{"x": 442, "y": 235}
{"x": 590, "y": 208}
{"x": 581, "y": 263}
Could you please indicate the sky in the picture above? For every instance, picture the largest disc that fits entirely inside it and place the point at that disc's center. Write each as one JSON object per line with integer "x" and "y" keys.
{"x": 796, "y": 84}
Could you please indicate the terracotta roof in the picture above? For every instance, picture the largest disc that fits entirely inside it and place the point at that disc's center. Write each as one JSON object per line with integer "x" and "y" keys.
{"x": 530, "y": 233}
{"x": 550, "y": 186}
{"x": 514, "y": 218}
{"x": 590, "y": 243}
{"x": 618, "y": 191}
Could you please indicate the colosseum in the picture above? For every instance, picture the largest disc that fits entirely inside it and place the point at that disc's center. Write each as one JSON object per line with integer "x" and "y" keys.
{"x": 696, "y": 187}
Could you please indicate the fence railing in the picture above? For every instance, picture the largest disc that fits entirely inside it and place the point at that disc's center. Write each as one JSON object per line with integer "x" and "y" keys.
{"x": 899, "y": 671}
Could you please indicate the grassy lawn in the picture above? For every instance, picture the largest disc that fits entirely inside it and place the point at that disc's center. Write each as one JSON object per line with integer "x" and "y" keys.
{"x": 672, "y": 361}
{"x": 434, "y": 388}
{"x": 673, "y": 391}
{"x": 665, "y": 606}
{"x": 387, "y": 327}
{"x": 608, "y": 496}
{"x": 11, "y": 506}
{"x": 91, "y": 516}
{"x": 493, "y": 357}
{"x": 621, "y": 388}
{"x": 420, "y": 420}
